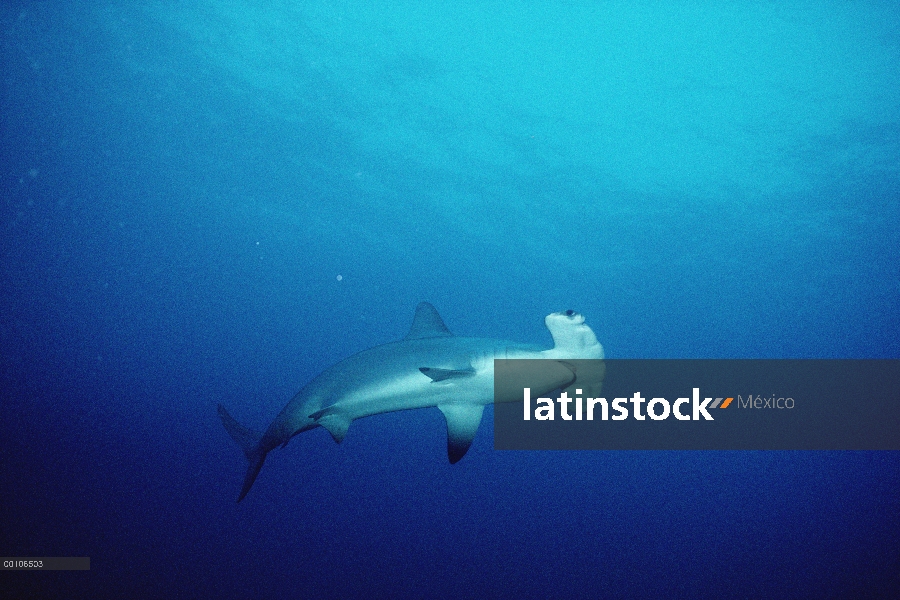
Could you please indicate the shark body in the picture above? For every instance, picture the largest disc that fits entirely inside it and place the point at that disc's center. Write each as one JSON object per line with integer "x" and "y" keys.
{"x": 430, "y": 367}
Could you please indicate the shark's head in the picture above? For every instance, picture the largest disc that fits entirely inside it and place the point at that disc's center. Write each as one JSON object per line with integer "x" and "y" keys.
{"x": 574, "y": 340}
{"x": 571, "y": 337}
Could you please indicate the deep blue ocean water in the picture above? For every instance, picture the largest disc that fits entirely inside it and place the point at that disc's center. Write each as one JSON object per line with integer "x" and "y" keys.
{"x": 212, "y": 201}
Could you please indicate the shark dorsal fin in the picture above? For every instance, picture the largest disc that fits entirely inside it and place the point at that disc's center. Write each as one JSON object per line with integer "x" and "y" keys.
{"x": 427, "y": 324}
{"x": 462, "y": 425}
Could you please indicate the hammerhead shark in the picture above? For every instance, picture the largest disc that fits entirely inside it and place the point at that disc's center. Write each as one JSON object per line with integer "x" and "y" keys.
{"x": 430, "y": 367}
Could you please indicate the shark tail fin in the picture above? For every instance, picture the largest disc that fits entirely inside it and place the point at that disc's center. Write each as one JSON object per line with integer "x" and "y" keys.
{"x": 250, "y": 443}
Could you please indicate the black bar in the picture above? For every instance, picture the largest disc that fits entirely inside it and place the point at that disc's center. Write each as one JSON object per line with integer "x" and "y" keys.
{"x": 44, "y": 563}
{"x": 775, "y": 405}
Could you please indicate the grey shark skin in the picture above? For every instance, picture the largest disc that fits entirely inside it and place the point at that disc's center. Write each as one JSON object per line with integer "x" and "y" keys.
{"x": 430, "y": 367}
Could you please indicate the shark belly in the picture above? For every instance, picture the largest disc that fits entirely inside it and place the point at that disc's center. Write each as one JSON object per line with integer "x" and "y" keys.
{"x": 390, "y": 378}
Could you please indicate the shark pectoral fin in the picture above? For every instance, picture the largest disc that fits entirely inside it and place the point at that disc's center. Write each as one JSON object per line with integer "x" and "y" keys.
{"x": 542, "y": 376}
{"x": 336, "y": 422}
{"x": 442, "y": 374}
{"x": 589, "y": 376}
{"x": 462, "y": 425}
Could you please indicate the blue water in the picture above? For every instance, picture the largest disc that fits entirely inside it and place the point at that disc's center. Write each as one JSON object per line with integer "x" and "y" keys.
{"x": 210, "y": 202}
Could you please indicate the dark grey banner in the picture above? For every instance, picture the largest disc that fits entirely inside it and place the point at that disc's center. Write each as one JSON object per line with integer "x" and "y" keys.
{"x": 43, "y": 563}
{"x": 698, "y": 405}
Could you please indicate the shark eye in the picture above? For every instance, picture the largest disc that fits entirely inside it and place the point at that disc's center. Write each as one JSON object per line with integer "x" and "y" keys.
{"x": 570, "y": 312}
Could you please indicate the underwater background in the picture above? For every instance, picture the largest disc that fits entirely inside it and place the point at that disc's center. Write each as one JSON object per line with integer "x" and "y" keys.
{"x": 212, "y": 201}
